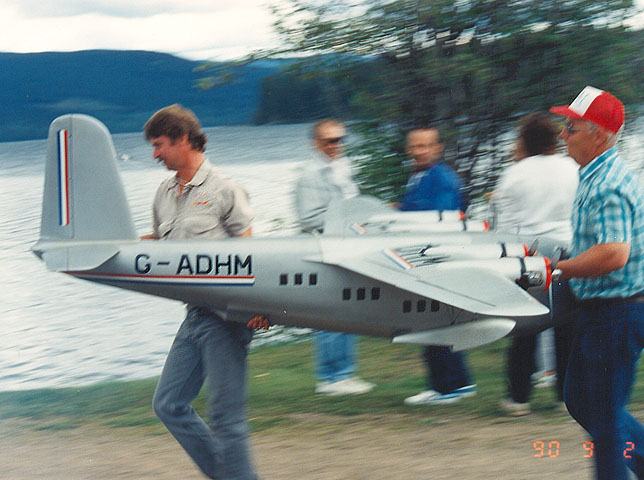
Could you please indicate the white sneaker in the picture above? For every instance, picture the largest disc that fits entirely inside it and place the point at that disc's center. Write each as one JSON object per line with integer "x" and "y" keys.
{"x": 348, "y": 386}
{"x": 515, "y": 409}
{"x": 360, "y": 383}
{"x": 432, "y": 397}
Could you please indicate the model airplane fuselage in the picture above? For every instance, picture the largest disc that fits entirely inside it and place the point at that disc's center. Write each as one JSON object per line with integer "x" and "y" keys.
{"x": 374, "y": 271}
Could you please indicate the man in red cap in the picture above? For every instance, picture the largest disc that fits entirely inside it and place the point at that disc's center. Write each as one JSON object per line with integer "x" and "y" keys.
{"x": 606, "y": 272}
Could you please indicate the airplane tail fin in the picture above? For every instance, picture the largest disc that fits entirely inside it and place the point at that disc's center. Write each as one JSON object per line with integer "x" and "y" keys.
{"x": 344, "y": 217}
{"x": 84, "y": 204}
{"x": 367, "y": 215}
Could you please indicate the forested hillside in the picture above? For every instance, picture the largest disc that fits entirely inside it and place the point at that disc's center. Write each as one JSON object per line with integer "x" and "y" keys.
{"x": 121, "y": 88}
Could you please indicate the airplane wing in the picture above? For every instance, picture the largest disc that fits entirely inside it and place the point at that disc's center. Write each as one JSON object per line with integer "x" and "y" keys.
{"x": 465, "y": 285}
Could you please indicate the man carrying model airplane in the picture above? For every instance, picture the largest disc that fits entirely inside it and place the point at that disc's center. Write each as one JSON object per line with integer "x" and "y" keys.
{"x": 199, "y": 202}
{"x": 606, "y": 272}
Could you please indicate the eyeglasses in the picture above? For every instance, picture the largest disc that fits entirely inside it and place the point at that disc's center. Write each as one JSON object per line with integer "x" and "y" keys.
{"x": 571, "y": 129}
{"x": 331, "y": 141}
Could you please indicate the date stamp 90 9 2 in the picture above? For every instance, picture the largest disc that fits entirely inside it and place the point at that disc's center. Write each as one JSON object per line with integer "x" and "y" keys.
{"x": 552, "y": 449}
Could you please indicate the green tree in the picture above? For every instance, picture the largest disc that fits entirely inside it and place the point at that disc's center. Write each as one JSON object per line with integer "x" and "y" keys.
{"x": 469, "y": 67}
{"x": 296, "y": 95}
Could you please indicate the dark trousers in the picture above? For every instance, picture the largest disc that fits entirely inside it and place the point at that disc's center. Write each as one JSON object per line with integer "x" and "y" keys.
{"x": 446, "y": 369}
{"x": 521, "y": 362}
{"x": 601, "y": 371}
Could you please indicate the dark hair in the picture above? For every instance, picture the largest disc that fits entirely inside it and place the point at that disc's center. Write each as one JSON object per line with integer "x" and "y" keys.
{"x": 538, "y": 134}
{"x": 174, "y": 122}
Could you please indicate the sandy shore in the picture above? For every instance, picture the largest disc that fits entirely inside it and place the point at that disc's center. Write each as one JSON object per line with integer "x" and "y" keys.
{"x": 315, "y": 447}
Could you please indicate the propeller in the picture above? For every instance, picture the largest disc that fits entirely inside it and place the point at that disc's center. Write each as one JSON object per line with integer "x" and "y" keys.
{"x": 533, "y": 248}
{"x": 560, "y": 254}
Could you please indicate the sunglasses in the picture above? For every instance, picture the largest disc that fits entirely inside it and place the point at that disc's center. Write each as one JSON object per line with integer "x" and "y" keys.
{"x": 331, "y": 141}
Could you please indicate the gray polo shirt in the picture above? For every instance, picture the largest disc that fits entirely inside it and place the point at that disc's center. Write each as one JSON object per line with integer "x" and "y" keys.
{"x": 212, "y": 205}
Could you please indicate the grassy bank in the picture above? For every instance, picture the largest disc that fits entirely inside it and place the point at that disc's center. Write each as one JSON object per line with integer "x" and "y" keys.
{"x": 281, "y": 393}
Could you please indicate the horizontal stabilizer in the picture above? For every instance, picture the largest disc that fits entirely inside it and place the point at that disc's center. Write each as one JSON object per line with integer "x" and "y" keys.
{"x": 463, "y": 336}
{"x": 66, "y": 257}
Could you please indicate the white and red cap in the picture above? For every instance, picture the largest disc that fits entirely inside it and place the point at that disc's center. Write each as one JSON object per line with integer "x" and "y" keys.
{"x": 596, "y": 106}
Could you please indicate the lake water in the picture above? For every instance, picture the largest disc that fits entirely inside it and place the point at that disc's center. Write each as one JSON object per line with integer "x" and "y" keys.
{"x": 58, "y": 331}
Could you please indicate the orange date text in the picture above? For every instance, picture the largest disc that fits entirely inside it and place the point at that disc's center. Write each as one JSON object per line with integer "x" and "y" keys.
{"x": 551, "y": 449}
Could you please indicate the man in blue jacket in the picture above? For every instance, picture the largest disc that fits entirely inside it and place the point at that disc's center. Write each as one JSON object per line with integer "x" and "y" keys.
{"x": 436, "y": 186}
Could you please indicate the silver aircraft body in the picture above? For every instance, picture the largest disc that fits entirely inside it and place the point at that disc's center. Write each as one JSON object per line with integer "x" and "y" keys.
{"x": 413, "y": 277}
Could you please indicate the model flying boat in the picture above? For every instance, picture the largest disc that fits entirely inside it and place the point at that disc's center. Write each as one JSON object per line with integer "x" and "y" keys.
{"x": 420, "y": 277}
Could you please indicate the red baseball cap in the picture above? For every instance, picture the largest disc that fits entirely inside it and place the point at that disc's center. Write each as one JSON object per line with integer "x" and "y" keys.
{"x": 596, "y": 106}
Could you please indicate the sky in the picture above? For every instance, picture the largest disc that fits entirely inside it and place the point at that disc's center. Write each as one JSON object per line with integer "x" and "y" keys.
{"x": 194, "y": 29}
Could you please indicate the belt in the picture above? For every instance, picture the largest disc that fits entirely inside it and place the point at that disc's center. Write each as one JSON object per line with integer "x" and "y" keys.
{"x": 604, "y": 302}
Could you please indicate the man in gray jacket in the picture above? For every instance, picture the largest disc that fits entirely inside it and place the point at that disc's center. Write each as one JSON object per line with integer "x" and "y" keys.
{"x": 327, "y": 177}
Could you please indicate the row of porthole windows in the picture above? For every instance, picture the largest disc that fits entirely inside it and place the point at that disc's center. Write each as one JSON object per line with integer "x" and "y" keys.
{"x": 421, "y": 306}
{"x": 298, "y": 279}
{"x": 361, "y": 293}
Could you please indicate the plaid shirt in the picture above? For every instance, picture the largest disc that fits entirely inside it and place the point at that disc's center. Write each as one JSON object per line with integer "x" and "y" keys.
{"x": 609, "y": 208}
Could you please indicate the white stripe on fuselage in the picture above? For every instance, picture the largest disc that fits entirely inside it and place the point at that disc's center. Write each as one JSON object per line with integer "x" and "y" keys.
{"x": 63, "y": 178}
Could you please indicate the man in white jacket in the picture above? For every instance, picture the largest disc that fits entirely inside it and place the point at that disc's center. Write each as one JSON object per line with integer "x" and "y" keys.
{"x": 535, "y": 197}
{"x": 327, "y": 177}
{"x": 535, "y": 194}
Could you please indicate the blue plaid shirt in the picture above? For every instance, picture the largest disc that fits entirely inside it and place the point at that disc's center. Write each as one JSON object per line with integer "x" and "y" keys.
{"x": 609, "y": 208}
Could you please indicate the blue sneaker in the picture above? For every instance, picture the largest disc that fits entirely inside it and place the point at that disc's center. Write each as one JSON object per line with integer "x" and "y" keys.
{"x": 432, "y": 397}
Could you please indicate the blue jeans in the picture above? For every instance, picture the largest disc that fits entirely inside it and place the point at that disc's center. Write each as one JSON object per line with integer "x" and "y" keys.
{"x": 207, "y": 347}
{"x": 600, "y": 375}
{"x": 334, "y": 355}
{"x": 446, "y": 369}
